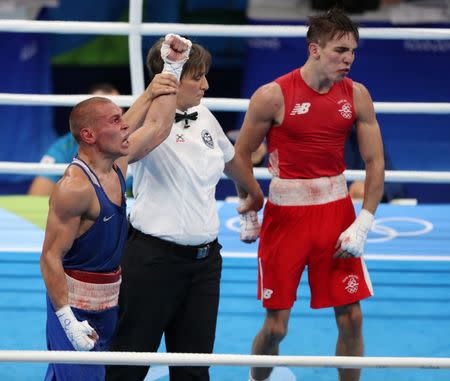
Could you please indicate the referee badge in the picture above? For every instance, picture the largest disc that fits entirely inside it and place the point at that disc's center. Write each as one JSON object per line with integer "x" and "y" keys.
{"x": 207, "y": 139}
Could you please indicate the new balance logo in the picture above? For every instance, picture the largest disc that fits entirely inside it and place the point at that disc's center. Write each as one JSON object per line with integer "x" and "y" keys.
{"x": 301, "y": 108}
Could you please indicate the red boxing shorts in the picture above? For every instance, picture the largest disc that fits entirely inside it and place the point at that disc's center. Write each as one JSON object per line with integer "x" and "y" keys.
{"x": 303, "y": 219}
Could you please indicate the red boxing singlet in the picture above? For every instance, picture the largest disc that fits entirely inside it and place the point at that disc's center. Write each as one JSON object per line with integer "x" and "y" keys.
{"x": 310, "y": 141}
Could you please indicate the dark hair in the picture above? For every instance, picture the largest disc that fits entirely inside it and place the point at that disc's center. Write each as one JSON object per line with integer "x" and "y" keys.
{"x": 325, "y": 27}
{"x": 199, "y": 60}
{"x": 104, "y": 87}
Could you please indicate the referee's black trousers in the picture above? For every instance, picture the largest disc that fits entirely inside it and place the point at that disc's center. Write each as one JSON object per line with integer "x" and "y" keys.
{"x": 166, "y": 290}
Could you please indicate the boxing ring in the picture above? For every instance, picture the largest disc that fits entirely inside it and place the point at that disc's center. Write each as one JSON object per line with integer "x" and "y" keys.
{"x": 408, "y": 257}
{"x": 406, "y": 323}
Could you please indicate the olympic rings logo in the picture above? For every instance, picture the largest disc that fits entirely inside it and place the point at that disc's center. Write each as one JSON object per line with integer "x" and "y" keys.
{"x": 385, "y": 232}
{"x": 383, "y": 229}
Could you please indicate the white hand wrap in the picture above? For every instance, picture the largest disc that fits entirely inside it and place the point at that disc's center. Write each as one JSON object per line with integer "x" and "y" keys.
{"x": 354, "y": 238}
{"x": 171, "y": 66}
{"x": 76, "y": 331}
{"x": 250, "y": 226}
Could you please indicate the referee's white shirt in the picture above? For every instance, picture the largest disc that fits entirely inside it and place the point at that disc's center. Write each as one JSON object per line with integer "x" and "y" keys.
{"x": 174, "y": 185}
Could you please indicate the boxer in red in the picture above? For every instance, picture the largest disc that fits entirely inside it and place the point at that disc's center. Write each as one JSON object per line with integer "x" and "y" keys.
{"x": 309, "y": 220}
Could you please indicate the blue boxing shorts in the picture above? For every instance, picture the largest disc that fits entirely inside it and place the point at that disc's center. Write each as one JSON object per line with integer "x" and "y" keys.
{"x": 85, "y": 291}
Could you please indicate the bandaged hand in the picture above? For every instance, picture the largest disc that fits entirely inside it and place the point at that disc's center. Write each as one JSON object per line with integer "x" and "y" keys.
{"x": 351, "y": 242}
{"x": 250, "y": 227}
{"x": 175, "y": 52}
{"x": 80, "y": 333}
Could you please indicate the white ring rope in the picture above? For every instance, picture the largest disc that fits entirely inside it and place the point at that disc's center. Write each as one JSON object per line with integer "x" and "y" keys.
{"x": 214, "y": 104}
{"x": 390, "y": 176}
{"x": 199, "y": 359}
{"x": 238, "y": 254}
{"x": 9, "y": 167}
{"x": 58, "y": 100}
{"x": 216, "y": 30}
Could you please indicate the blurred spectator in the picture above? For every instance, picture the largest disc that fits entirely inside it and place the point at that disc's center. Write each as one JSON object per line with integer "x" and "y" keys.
{"x": 356, "y": 188}
{"x": 63, "y": 150}
{"x": 259, "y": 156}
{"x": 352, "y": 6}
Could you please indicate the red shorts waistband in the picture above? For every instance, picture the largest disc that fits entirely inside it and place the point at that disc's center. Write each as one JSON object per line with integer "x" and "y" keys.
{"x": 93, "y": 277}
{"x": 322, "y": 190}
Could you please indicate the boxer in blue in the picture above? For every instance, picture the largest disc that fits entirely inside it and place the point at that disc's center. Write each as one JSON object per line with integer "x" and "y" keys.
{"x": 87, "y": 226}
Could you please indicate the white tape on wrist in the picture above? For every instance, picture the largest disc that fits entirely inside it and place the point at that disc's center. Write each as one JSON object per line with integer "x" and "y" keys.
{"x": 250, "y": 226}
{"x": 77, "y": 332}
{"x": 354, "y": 238}
{"x": 170, "y": 66}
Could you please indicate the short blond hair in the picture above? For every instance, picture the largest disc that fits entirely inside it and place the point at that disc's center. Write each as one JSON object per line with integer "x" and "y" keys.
{"x": 84, "y": 114}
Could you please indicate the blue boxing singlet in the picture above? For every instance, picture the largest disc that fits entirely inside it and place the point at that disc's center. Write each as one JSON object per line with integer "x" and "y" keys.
{"x": 99, "y": 248}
